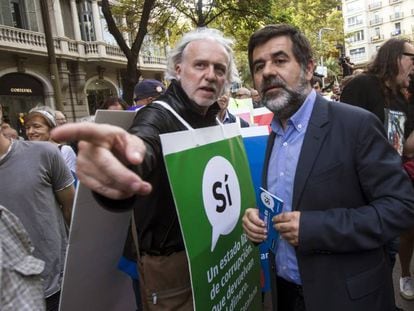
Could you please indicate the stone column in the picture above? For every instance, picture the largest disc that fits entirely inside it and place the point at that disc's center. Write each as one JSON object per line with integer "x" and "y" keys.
{"x": 97, "y": 20}
{"x": 75, "y": 20}
{"x": 60, "y": 30}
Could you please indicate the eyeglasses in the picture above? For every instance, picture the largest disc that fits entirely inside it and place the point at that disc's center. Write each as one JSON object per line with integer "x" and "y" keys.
{"x": 241, "y": 96}
{"x": 410, "y": 55}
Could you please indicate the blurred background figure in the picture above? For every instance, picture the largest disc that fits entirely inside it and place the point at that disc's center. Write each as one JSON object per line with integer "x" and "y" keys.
{"x": 113, "y": 103}
{"x": 10, "y": 133}
{"x": 146, "y": 91}
{"x": 60, "y": 118}
{"x": 17, "y": 290}
{"x": 316, "y": 83}
{"x": 347, "y": 66}
{"x": 406, "y": 249}
{"x": 257, "y": 101}
{"x": 225, "y": 116}
{"x": 242, "y": 93}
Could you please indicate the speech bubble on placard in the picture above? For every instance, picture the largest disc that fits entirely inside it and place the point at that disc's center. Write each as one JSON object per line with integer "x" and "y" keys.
{"x": 221, "y": 197}
{"x": 267, "y": 201}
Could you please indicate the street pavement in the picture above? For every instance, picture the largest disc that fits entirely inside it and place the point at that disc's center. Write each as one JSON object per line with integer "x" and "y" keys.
{"x": 406, "y": 305}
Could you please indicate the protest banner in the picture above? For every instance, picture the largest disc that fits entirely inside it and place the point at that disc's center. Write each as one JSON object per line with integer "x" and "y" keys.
{"x": 262, "y": 116}
{"x": 211, "y": 183}
{"x": 242, "y": 108}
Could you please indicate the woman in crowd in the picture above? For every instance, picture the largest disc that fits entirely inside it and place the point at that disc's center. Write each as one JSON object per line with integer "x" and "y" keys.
{"x": 38, "y": 124}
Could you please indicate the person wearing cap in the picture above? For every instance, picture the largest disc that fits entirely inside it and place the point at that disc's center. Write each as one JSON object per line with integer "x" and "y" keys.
{"x": 37, "y": 186}
{"x": 146, "y": 91}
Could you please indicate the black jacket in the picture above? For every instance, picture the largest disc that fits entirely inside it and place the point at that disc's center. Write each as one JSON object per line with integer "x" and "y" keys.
{"x": 155, "y": 214}
{"x": 366, "y": 91}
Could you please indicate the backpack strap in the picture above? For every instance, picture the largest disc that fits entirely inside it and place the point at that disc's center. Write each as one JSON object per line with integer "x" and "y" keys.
{"x": 180, "y": 118}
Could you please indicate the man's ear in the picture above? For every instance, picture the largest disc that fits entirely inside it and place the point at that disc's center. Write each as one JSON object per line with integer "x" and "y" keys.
{"x": 310, "y": 69}
{"x": 178, "y": 71}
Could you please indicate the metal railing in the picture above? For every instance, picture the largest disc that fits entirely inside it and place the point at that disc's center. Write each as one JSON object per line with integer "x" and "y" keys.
{"x": 376, "y": 21}
{"x": 396, "y": 15}
{"x": 374, "y": 5}
{"x": 377, "y": 38}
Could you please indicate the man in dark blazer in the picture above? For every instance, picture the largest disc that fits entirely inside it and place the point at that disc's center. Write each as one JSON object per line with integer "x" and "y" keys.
{"x": 345, "y": 194}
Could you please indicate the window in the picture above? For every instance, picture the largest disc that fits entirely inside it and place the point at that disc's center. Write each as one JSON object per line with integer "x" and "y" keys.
{"x": 377, "y": 31}
{"x": 86, "y": 20}
{"x": 357, "y": 36}
{"x": 397, "y": 29}
{"x": 19, "y": 14}
{"x": 354, "y": 6}
{"x": 107, "y": 36}
{"x": 357, "y": 53}
{"x": 355, "y": 20}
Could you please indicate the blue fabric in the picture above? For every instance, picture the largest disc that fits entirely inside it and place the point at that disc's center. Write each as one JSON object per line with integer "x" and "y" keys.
{"x": 255, "y": 151}
{"x": 129, "y": 267}
{"x": 281, "y": 175}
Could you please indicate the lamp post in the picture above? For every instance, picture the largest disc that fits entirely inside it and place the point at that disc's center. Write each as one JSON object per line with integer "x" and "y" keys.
{"x": 320, "y": 32}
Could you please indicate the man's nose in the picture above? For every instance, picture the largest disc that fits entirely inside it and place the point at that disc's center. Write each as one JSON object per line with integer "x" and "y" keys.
{"x": 210, "y": 73}
{"x": 269, "y": 70}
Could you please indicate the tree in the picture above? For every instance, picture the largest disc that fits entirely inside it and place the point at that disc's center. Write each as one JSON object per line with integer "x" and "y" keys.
{"x": 167, "y": 20}
{"x": 131, "y": 74}
{"x": 312, "y": 16}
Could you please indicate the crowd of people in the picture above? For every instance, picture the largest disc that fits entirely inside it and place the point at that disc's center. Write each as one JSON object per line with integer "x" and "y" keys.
{"x": 336, "y": 161}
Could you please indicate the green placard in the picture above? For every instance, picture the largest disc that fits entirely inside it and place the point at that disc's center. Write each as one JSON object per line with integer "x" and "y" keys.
{"x": 212, "y": 187}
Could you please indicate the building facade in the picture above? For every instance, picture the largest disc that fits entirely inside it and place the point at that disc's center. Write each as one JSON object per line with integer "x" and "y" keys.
{"x": 368, "y": 23}
{"x": 88, "y": 59}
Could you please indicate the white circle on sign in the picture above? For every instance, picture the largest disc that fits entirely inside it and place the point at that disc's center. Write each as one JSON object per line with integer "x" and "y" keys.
{"x": 221, "y": 197}
{"x": 267, "y": 200}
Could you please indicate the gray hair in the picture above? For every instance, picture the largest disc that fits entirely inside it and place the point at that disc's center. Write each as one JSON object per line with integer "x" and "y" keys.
{"x": 46, "y": 112}
{"x": 176, "y": 54}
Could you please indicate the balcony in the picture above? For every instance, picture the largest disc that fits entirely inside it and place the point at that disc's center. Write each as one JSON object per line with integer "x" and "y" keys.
{"x": 376, "y": 21}
{"x": 395, "y": 1}
{"x": 374, "y": 5}
{"x": 377, "y": 38}
{"x": 357, "y": 23}
{"x": 29, "y": 42}
{"x": 396, "y": 16}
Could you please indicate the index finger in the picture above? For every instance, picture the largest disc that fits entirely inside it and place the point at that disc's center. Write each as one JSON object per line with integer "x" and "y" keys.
{"x": 97, "y": 134}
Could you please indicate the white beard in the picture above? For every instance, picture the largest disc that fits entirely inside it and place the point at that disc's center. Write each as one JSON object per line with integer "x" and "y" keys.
{"x": 278, "y": 102}
{"x": 287, "y": 100}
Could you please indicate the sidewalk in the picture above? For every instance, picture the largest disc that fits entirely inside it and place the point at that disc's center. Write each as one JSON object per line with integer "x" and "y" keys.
{"x": 402, "y": 303}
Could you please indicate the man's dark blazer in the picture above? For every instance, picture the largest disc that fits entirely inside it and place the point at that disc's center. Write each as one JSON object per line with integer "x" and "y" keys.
{"x": 353, "y": 197}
